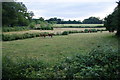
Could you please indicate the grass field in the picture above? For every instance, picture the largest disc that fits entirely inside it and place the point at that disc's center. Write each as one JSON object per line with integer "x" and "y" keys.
{"x": 56, "y": 30}
{"x": 53, "y": 50}
{"x": 91, "y": 25}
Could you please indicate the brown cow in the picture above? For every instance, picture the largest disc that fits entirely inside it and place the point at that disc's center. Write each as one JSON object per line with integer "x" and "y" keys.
{"x": 43, "y": 35}
{"x": 49, "y": 34}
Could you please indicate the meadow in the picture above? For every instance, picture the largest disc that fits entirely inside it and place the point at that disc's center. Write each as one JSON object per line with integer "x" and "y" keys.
{"x": 66, "y": 55}
{"x": 81, "y": 55}
{"x": 53, "y": 50}
{"x": 77, "y": 25}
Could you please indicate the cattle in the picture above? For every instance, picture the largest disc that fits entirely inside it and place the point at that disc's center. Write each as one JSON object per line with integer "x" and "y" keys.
{"x": 49, "y": 35}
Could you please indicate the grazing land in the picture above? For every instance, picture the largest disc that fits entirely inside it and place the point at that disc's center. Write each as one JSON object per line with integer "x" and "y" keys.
{"x": 54, "y": 50}
{"x": 82, "y": 25}
{"x": 55, "y": 30}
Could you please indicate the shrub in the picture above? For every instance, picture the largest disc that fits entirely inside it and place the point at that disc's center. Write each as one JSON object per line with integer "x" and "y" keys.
{"x": 65, "y": 32}
{"x": 45, "y": 26}
{"x": 10, "y": 37}
{"x": 74, "y": 31}
{"x": 93, "y": 30}
{"x": 86, "y": 30}
{"x": 9, "y": 29}
{"x": 21, "y": 67}
{"x": 32, "y": 25}
{"x": 100, "y": 63}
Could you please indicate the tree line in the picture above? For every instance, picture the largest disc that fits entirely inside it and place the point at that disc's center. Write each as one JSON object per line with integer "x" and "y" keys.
{"x": 15, "y": 14}
{"x": 90, "y": 20}
{"x": 112, "y": 21}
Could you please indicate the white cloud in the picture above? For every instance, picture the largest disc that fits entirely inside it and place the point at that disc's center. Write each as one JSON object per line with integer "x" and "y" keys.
{"x": 70, "y": 9}
{"x": 54, "y": 1}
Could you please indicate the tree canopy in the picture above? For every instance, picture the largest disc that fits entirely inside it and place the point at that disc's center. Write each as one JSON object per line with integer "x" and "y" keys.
{"x": 92, "y": 20}
{"x": 112, "y": 21}
{"x": 15, "y": 14}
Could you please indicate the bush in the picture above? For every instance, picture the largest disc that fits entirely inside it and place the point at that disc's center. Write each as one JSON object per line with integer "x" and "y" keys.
{"x": 101, "y": 63}
{"x": 93, "y": 30}
{"x": 9, "y": 29}
{"x": 32, "y": 25}
{"x": 86, "y": 30}
{"x": 10, "y": 37}
{"x": 65, "y": 32}
{"x": 45, "y": 26}
{"x": 74, "y": 31}
{"x": 21, "y": 67}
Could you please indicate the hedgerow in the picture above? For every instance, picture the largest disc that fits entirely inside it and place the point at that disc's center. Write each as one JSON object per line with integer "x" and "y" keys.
{"x": 100, "y": 63}
{"x": 9, "y": 29}
{"x": 11, "y": 37}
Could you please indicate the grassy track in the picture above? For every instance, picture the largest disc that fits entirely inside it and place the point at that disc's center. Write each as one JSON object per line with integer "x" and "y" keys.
{"x": 53, "y": 50}
{"x": 92, "y": 25}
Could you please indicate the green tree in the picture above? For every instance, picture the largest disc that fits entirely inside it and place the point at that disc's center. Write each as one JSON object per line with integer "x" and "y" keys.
{"x": 108, "y": 23}
{"x": 41, "y": 19}
{"x": 118, "y": 18}
{"x": 92, "y": 20}
{"x": 15, "y": 14}
{"x": 112, "y": 21}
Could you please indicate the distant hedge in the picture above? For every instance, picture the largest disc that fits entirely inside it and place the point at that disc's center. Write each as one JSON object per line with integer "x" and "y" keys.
{"x": 79, "y": 27}
{"x": 84, "y": 31}
{"x": 10, "y": 37}
{"x": 44, "y": 28}
{"x": 9, "y": 29}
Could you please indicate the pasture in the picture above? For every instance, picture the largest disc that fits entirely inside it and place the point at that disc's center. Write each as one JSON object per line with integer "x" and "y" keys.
{"x": 82, "y": 25}
{"x": 55, "y": 30}
{"x": 54, "y": 50}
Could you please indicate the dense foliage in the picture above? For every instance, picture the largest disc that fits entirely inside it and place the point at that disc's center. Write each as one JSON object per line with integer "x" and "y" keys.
{"x": 9, "y": 29}
{"x": 15, "y": 14}
{"x": 92, "y": 20}
{"x": 112, "y": 21}
{"x": 100, "y": 63}
{"x": 11, "y": 37}
{"x": 44, "y": 25}
{"x": 79, "y": 26}
{"x": 61, "y": 21}
{"x": 84, "y": 31}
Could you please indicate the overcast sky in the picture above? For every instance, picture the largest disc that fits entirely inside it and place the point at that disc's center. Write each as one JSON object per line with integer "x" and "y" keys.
{"x": 70, "y": 9}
